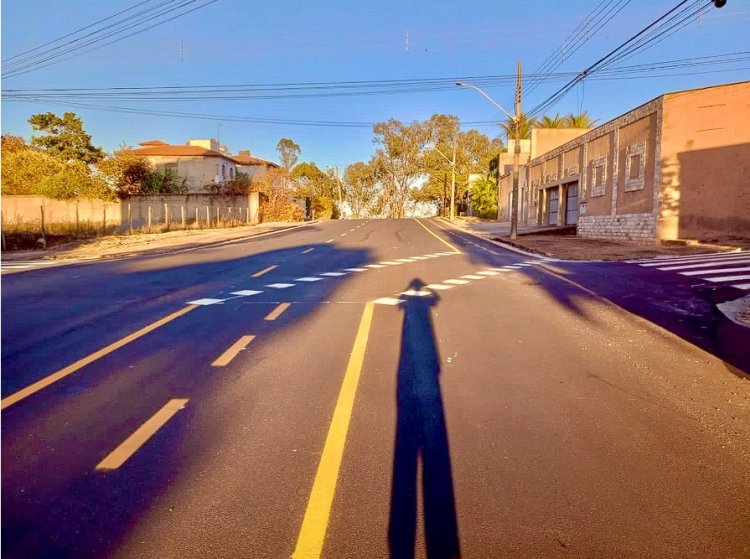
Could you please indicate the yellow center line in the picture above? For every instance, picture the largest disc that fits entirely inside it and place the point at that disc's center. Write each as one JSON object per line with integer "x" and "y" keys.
{"x": 224, "y": 359}
{"x": 129, "y": 446}
{"x": 276, "y": 313}
{"x": 437, "y": 236}
{"x": 315, "y": 523}
{"x": 308, "y": 250}
{"x": 62, "y": 373}
{"x": 265, "y": 270}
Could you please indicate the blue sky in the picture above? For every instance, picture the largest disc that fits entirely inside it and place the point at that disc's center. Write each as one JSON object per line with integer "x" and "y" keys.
{"x": 263, "y": 41}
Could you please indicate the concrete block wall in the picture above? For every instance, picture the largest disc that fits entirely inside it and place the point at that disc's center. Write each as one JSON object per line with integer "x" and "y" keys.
{"x": 639, "y": 228}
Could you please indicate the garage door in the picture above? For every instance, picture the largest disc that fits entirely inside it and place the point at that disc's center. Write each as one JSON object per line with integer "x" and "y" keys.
{"x": 554, "y": 204}
{"x": 571, "y": 204}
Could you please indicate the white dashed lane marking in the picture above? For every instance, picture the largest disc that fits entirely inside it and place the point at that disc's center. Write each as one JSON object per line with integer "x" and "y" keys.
{"x": 706, "y": 267}
{"x": 309, "y": 279}
{"x": 280, "y": 285}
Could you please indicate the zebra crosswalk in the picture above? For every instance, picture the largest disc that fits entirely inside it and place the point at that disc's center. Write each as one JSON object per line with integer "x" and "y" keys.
{"x": 16, "y": 265}
{"x": 722, "y": 269}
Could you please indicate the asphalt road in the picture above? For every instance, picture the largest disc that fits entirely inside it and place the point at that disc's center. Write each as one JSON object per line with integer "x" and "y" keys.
{"x": 282, "y": 396}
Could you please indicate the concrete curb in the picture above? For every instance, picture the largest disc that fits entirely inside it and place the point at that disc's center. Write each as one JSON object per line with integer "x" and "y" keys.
{"x": 502, "y": 244}
{"x": 731, "y": 334}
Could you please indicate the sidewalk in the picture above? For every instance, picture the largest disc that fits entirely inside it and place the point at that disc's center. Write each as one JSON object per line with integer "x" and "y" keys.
{"x": 146, "y": 243}
{"x": 572, "y": 247}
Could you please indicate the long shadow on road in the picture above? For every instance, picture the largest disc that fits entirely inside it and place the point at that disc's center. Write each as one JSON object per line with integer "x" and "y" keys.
{"x": 421, "y": 437}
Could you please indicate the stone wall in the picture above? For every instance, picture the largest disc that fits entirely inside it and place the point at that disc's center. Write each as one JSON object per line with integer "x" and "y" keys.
{"x": 639, "y": 228}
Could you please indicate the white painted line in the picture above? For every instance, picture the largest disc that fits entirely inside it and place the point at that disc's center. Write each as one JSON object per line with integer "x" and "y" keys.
{"x": 456, "y": 281}
{"x": 391, "y": 263}
{"x": 537, "y": 263}
{"x": 669, "y": 259}
{"x": 512, "y": 267}
{"x": 355, "y": 269}
{"x": 308, "y": 279}
{"x": 473, "y": 277}
{"x": 414, "y": 293}
{"x": 388, "y": 301}
{"x": 707, "y": 264}
{"x": 729, "y": 278}
{"x": 374, "y": 266}
{"x": 696, "y": 260}
{"x": 419, "y": 258}
{"x": 206, "y": 301}
{"x": 523, "y": 264}
{"x": 280, "y": 285}
{"x": 333, "y": 274}
{"x": 742, "y": 286}
{"x": 246, "y": 292}
{"x": 15, "y": 266}
{"x": 499, "y": 270}
{"x": 438, "y": 287}
{"x": 404, "y": 260}
{"x": 721, "y": 271}
{"x": 488, "y": 273}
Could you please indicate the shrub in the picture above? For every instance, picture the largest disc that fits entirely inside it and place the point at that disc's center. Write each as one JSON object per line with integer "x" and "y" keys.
{"x": 24, "y": 170}
{"x": 163, "y": 182}
{"x": 125, "y": 173}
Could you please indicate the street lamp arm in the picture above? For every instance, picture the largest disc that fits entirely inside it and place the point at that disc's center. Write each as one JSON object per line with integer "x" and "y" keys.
{"x": 491, "y": 100}
{"x": 445, "y": 156}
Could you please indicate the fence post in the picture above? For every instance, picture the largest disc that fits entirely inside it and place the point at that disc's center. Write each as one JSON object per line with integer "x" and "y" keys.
{"x": 77, "y": 220}
{"x": 44, "y": 233}
{"x": 182, "y": 211}
{"x": 197, "y": 221}
{"x": 149, "y": 219}
{"x": 2, "y": 231}
{"x": 130, "y": 219}
{"x": 166, "y": 216}
{"x": 104, "y": 220}
{"x": 248, "y": 215}
{"x": 217, "y": 216}
{"x": 208, "y": 218}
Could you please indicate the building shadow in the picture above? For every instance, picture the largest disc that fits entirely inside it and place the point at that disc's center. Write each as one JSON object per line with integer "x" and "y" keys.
{"x": 421, "y": 438}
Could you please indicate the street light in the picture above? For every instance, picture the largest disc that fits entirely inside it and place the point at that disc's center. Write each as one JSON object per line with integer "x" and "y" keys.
{"x": 453, "y": 177}
{"x": 516, "y": 152}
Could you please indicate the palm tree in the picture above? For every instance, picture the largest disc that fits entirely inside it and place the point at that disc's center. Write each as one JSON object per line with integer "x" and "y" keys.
{"x": 581, "y": 120}
{"x": 526, "y": 124}
{"x": 552, "y": 122}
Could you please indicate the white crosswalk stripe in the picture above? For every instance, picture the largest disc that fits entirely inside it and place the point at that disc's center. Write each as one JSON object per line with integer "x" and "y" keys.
{"x": 9, "y": 265}
{"x": 725, "y": 269}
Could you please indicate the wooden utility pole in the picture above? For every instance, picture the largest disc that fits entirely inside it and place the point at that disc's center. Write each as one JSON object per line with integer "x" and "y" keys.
{"x": 516, "y": 159}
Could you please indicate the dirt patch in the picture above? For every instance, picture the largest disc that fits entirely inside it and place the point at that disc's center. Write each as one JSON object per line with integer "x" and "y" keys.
{"x": 571, "y": 247}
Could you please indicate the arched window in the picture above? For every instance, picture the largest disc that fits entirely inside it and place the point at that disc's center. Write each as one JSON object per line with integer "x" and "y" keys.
{"x": 223, "y": 171}
{"x": 231, "y": 172}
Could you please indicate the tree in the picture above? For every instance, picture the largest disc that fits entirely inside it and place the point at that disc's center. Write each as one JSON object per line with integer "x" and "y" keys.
{"x": 526, "y": 124}
{"x": 64, "y": 138}
{"x": 24, "y": 170}
{"x": 289, "y": 152}
{"x": 163, "y": 182}
{"x": 398, "y": 161}
{"x": 581, "y": 120}
{"x": 317, "y": 186}
{"x": 125, "y": 173}
{"x": 552, "y": 122}
{"x": 484, "y": 197}
{"x": 361, "y": 184}
{"x": 474, "y": 151}
{"x": 277, "y": 202}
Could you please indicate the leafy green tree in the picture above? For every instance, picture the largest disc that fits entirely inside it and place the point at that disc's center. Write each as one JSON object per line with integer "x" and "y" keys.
{"x": 473, "y": 152}
{"x": 289, "y": 152}
{"x": 125, "y": 173}
{"x": 320, "y": 187}
{"x": 74, "y": 181}
{"x": 361, "y": 184}
{"x": 552, "y": 122}
{"x": 581, "y": 120}
{"x": 64, "y": 138}
{"x": 398, "y": 162}
{"x": 163, "y": 182}
{"x": 484, "y": 197}
{"x": 24, "y": 170}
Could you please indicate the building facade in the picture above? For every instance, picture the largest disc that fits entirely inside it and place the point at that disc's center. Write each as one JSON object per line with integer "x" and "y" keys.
{"x": 677, "y": 167}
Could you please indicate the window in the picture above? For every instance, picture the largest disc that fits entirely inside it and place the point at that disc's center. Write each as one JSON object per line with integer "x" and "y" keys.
{"x": 231, "y": 173}
{"x": 598, "y": 176}
{"x": 635, "y": 166}
{"x": 223, "y": 171}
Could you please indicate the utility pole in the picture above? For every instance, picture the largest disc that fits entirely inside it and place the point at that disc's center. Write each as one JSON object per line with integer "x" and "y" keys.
{"x": 516, "y": 159}
{"x": 453, "y": 181}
